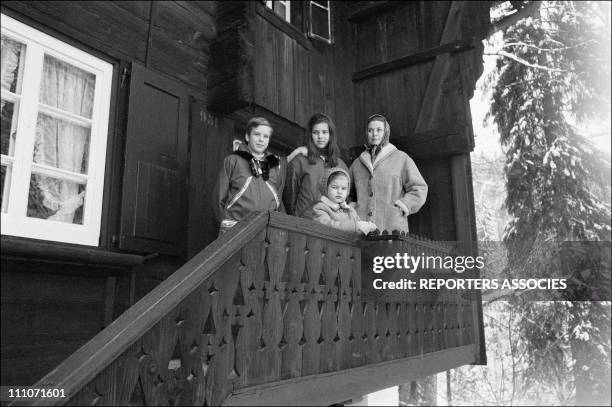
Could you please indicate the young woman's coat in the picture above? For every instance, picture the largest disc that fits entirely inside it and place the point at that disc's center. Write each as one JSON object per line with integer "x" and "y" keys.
{"x": 302, "y": 190}
{"x": 388, "y": 189}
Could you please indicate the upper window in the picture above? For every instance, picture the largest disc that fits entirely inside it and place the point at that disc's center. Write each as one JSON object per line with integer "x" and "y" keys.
{"x": 313, "y": 17}
{"x": 281, "y": 8}
{"x": 320, "y": 20}
{"x": 55, "y": 106}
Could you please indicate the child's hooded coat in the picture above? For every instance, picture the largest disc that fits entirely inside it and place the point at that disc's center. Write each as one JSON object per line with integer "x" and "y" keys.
{"x": 340, "y": 216}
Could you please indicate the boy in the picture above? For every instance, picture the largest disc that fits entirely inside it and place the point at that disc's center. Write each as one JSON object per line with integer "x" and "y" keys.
{"x": 251, "y": 180}
{"x": 332, "y": 209}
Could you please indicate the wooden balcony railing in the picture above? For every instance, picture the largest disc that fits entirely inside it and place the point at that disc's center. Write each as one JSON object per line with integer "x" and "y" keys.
{"x": 276, "y": 300}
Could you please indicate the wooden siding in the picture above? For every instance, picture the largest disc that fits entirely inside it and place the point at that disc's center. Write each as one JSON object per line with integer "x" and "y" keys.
{"x": 436, "y": 218}
{"x": 400, "y": 93}
{"x": 172, "y": 38}
{"x": 168, "y": 38}
{"x": 424, "y": 60}
{"x": 258, "y": 59}
{"x": 254, "y": 67}
{"x": 54, "y": 299}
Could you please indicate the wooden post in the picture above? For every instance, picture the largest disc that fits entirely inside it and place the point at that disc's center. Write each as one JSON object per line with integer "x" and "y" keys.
{"x": 463, "y": 201}
{"x": 109, "y": 299}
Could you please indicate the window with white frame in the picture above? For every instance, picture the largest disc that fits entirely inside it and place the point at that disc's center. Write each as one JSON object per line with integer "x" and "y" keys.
{"x": 55, "y": 106}
{"x": 281, "y": 8}
{"x": 320, "y": 20}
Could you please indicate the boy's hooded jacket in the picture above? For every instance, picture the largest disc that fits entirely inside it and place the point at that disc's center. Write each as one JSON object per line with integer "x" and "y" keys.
{"x": 387, "y": 189}
{"x": 340, "y": 216}
{"x": 245, "y": 185}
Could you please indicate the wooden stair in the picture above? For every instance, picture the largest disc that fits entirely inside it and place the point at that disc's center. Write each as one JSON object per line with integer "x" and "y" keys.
{"x": 274, "y": 312}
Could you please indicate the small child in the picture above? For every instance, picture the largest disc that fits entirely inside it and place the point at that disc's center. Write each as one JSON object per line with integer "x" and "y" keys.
{"x": 332, "y": 209}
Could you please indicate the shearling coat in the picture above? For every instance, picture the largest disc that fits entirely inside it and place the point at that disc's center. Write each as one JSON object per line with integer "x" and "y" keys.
{"x": 388, "y": 189}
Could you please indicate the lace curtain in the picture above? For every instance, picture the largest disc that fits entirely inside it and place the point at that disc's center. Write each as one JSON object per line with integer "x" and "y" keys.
{"x": 11, "y": 51}
{"x": 10, "y": 59}
{"x": 60, "y": 143}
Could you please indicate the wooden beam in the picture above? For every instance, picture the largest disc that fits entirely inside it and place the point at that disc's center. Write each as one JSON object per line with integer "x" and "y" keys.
{"x": 371, "y": 9}
{"x": 409, "y": 60}
{"x": 434, "y": 142}
{"x": 333, "y": 387}
{"x": 311, "y": 228}
{"x": 32, "y": 249}
{"x": 109, "y": 299}
{"x": 433, "y": 92}
{"x": 441, "y": 145}
{"x": 463, "y": 202}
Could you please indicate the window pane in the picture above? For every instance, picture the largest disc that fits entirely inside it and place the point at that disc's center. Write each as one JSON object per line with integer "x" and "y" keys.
{"x": 6, "y": 176}
{"x": 56, "y": 199}
{"x": 8, "y": 141}
{"x": 281, "y": 10}
{"x": 61, "y": 144}
{"x": 322, "y": 3}
{"x": 11, "y": 56}
{"x": 67, "y": 87}
{"x": 319, "y": 23}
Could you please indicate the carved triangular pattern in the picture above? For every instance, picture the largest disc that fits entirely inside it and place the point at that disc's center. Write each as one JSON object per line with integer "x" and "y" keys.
{"x": 137, "y": 397}
{"x": 209, "y": 325}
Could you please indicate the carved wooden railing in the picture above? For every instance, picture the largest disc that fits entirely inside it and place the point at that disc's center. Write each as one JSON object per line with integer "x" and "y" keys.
{"x": 277, "y": 299}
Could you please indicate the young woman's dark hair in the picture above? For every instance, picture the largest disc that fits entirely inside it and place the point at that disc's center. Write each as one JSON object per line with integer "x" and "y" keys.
{"x": 332, "y": 151}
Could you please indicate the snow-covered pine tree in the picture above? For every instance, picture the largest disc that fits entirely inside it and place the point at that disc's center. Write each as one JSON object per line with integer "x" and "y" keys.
{"x": 553, "y": 76}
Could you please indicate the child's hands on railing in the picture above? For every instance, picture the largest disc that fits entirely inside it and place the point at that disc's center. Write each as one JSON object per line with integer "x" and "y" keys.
{"x": 365, "y": 227}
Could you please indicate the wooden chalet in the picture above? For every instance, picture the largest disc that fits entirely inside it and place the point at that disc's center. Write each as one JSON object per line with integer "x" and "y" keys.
{"x": 114, "y": 286}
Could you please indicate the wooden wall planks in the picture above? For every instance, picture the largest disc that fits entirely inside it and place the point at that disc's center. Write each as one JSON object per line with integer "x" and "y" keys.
{"x": 47, "y": 314}
{"x": 181, "y": 32}
{"x": 117, "y": 31}
{"x": 123, "y": 35}
{"x": 287, "y": 76}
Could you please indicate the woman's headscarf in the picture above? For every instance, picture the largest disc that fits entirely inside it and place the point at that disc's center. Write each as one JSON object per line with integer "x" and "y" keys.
{"x": 375, "y": 149}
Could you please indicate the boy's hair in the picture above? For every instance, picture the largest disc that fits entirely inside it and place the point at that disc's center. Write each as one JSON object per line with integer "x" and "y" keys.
{"x": 337, "y": 174}
{"x": 256, "y": 122}
{"x": 333, "y": 151}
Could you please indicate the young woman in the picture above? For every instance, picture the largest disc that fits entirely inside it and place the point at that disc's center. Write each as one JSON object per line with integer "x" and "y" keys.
{"x": 387, "y": 183}
{"x": 307, "y": 166}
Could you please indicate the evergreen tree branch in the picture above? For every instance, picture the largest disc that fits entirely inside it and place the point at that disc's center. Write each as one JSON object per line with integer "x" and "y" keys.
{"x": 563, "y": 48}
{"x": 515, "y": 58}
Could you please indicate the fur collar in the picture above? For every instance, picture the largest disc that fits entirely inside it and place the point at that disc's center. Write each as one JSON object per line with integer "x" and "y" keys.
{"x": 334, "y": 206}
{"x": 258, "y": 167}
{"x": 271, "y": 159}
{"x": 384, "y": 153}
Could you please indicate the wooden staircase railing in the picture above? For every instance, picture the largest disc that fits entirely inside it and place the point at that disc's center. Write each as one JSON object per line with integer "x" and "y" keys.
{"x": 276, "y": 301}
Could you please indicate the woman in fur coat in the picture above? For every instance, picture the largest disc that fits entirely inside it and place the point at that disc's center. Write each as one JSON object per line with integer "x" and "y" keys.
{"x": 387, "y": 184}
